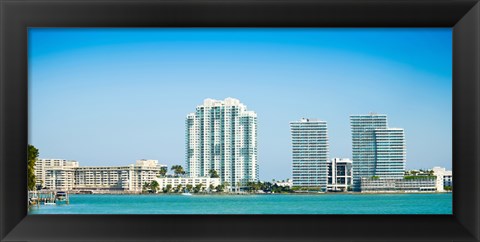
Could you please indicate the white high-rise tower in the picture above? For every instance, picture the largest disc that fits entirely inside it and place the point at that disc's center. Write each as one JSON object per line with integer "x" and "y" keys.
{"x": 310, "y": 153}
{"x": 222, "y": 136}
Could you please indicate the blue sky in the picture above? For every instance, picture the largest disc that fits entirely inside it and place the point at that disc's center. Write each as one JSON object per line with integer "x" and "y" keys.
{"x": 111, "y": 96}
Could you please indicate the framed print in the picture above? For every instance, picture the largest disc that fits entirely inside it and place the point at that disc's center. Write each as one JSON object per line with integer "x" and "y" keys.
{"x": 199, "y": 120}
{"x": 234, "y": 162}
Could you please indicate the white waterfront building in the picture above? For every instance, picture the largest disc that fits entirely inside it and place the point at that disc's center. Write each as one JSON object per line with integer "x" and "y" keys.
{"x": 339, "y": 174}
{"x": 413, "y": 184}
{"x": 284, "y": 183}
{"x": 221, "y": 135}
{"x": 444, "y": 178}
{"x": 377, "y": 150}
{"x": 58, "y": 174}
{"x": 310, "y": 153}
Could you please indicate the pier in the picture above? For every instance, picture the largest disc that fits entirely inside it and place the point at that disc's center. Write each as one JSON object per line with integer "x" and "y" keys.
{"x": 48, "y": 197}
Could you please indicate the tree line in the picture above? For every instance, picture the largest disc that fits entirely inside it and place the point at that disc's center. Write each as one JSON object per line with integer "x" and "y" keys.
{"x": 153, "y": 187}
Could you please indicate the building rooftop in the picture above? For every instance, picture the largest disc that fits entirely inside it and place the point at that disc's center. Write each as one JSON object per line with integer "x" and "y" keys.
{"x": 306, "y": 120}
{"x": 367, "y": 115}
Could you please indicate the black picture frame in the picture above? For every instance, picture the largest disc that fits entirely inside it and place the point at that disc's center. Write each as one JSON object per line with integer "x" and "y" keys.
{"x": 18, "y": 15}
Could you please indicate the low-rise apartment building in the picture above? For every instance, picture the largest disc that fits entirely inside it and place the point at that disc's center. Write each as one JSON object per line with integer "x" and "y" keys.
{"x": 57, "y": 174}
{"x": 411, "y": 184}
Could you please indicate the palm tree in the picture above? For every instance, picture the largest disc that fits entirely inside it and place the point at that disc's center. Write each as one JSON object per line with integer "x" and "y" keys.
{"x": 251, "y": 186}
{"x": 189, "y": 187}
{"x": 154, "y": 186}
{"x": 145, "y": 186}
{"x": 220, "y": 188}
{"x": 167, "y": 188}
{"x": 163, "y": 171}
{"x": 198, "y": 188}
{"x": 213, "y": 173}
{"x": 179, "y": 187}
{"x": 178, "y": 170}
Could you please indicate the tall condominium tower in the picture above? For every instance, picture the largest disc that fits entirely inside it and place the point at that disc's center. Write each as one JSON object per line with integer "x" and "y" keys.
{"x": 310, "y": 153}
{"x": 376, "y": 149}
{"x": 222, "y": 136}
{"x": 391, "y": 153}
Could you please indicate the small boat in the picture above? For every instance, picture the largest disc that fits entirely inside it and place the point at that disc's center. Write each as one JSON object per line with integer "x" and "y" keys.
{"x": 50, "y": 203}
{"x": 186, "y": 194}
{"x": 61, "y": 196}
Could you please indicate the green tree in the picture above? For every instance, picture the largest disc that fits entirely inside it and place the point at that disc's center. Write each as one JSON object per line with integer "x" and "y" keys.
{"x": 239, "y": 185}
{"x": 197, "y": 188}
{"x": 189, "y": 187}
{"x": 167, "y": 188}
{"x": 220, "y": 188}
{"x": 31, "y": 159}
{"x": 211, "y": 187}
{"x": 251, "y": 186}
{"x": 213, "y": 173}
{"x": 266, "y": 186}
{"x": 154, "y": 186}
{"x": 179, "y": 187}
{"x": 163, "y": 171}
{"x": 145, "y": 187}
{"x": 178, "y": 170}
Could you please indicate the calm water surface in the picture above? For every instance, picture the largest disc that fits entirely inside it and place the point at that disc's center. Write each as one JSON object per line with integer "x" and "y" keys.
{"x": 254, "y": 204}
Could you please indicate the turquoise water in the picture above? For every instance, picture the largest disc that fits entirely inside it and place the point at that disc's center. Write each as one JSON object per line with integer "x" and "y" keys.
{"x": 254, "y": 204}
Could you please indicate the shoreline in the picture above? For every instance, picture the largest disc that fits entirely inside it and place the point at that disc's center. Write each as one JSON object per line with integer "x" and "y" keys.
{"x": 264, "y": 194}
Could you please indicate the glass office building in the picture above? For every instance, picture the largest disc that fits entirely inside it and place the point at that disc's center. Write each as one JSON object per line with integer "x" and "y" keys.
{"x": 310, "y": 153}
{"x": 377, "y": 151}
{"x": 222, "y": 135}
{"x": 390, "y": 153}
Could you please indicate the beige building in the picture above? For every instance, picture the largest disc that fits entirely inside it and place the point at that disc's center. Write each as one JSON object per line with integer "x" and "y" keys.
{"x": 55, "y": 174}
{"x": 68, "y": 175}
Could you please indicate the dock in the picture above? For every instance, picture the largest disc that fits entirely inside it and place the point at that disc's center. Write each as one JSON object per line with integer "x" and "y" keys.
{"x": 48, "y": 197}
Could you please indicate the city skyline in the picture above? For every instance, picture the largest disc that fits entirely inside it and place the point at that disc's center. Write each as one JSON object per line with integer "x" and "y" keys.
{"x": 109, "y": 96}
